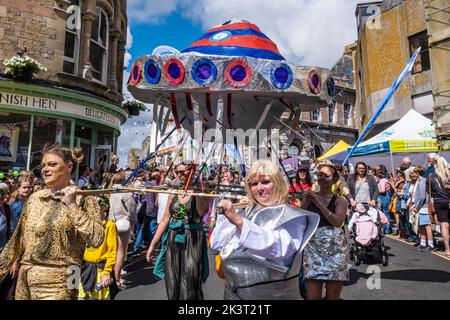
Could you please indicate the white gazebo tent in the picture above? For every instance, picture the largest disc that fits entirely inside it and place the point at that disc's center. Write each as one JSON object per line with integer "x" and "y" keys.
{"x": 412, "y": 136}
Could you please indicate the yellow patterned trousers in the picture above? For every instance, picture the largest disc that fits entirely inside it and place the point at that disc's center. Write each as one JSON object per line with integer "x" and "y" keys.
{"x": 43, "y": 283}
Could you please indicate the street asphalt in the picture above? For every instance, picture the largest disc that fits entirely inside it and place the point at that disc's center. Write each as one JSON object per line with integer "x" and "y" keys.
{"x": 410, "y": 274}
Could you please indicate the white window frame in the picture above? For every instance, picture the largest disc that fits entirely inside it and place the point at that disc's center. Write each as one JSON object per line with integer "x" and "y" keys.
{"x": 76, "y": 55}
{"x": 104, "y": 72}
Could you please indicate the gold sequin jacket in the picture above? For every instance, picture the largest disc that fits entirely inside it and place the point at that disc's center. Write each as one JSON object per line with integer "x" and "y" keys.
{"x": 51, "y": 234}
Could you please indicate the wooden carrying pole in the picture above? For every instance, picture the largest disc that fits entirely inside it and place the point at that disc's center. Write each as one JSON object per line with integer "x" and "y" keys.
{"x": 156, "y": 190}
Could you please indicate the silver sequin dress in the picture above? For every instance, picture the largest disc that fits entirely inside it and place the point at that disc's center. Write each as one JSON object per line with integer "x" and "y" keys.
{"x": 326, "y": 256}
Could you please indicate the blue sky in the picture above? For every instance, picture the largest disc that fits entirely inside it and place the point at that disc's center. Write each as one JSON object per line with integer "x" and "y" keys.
{"x": 306, "y": 33}
{"x": 174, "y": 31}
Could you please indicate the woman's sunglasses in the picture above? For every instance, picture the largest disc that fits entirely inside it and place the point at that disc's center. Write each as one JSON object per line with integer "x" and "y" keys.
{"x": 323, "y": 175}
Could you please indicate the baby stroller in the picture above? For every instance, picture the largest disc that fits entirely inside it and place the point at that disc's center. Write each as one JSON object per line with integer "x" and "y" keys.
{"x": 367, "y": 225}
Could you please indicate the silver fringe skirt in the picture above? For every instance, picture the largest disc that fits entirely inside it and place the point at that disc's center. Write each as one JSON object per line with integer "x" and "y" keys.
{"x": 326, "y": 256}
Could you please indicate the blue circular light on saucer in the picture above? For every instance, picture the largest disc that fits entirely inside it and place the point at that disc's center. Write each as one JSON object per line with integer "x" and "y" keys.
{"x": 281, "y": 76}
{"x": 152, "y": 71}
{"x": 204, "y": 71}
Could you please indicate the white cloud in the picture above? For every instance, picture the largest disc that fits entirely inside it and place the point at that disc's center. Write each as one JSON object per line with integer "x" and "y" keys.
{"x": 153, "y": 11}
{"x": 127, "y": 59}
{"x": 129, "y": 43}
{"x": 134, "y": 130}
{"x": 309, "y": 32}
{"x": 128, "y": 46}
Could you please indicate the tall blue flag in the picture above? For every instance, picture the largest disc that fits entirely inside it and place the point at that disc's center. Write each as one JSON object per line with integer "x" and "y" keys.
{"x": 385, "y": 101}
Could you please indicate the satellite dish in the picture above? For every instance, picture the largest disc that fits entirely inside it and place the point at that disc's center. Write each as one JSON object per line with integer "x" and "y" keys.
{"x": 162, "y": 50}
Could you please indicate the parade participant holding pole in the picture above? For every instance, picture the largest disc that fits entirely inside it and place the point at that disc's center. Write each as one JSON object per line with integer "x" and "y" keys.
{"x": 183, "y": 260}
{"x": 261, "y": 247}
{"x": 52, "y": 232}
{"x": 326, "y": 256}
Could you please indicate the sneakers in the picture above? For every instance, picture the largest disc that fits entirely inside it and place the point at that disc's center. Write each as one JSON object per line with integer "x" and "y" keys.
{"x": 431, "y": 249}
{"x": 421, "y": 248}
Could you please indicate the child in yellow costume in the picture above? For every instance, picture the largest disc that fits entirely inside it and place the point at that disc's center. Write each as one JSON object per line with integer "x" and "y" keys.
{"x": 98, "y": 263}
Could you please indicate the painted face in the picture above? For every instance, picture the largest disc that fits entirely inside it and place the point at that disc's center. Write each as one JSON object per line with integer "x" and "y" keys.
{"x": 263, "y": 190}
{"x": 325, "y": 176}
{"x": 54, "y": 170}
{"x": 25, "y": 189}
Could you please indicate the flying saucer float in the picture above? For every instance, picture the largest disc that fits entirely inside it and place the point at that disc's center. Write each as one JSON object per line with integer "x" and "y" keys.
{"x": 233, "y": 77}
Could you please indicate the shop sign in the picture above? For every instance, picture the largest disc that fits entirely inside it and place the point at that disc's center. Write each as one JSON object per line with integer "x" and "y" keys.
{"x": 51, "y": 105}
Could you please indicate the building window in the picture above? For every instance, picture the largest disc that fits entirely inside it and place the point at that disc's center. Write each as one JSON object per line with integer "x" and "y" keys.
{"x": 347, "y": 110}
{"x": 422, "y": 62}
{"x": 72, "y": 40}
{"x": 315, "y": 114}
{"x": 99, "y": 46}
{"x": 331, "y": 112}
{"x": 293, "y": 150}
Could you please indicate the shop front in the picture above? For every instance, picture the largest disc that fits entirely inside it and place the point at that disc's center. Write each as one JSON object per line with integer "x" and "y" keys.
{"x": 32, "y": 116}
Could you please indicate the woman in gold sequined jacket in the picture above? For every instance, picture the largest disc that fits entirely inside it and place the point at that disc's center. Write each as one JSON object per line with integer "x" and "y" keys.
{"x": 53, "y": 231}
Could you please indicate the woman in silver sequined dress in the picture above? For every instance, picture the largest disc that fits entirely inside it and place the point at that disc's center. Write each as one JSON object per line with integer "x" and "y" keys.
{"x": 326, "y": 256}
{"x": 261, "y": 247}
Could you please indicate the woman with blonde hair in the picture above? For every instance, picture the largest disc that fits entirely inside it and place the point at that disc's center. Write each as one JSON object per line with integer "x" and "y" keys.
{"x": 114, "y": 164}
{"x": 261, "y": 246}
{"x": 53, "y": 231}
{"x": 438, "y": 183}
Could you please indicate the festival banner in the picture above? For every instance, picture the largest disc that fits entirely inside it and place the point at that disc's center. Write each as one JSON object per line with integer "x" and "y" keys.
{"x": 414, "y": 145}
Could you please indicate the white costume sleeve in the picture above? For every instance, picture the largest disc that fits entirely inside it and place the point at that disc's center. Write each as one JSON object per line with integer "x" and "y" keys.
{"x": 222, "y": 232}
{"x": 282, "y": 242}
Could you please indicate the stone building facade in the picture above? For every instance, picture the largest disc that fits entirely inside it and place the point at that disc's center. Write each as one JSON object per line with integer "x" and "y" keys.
{"x": 78, "y": 101}
{"x": 323, "y": 128}
{"x": 389, "y": 32}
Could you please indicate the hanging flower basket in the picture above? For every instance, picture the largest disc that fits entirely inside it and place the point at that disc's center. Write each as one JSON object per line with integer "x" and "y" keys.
{"x": 23, "y": 67}
{"x": 134, "y": 107}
